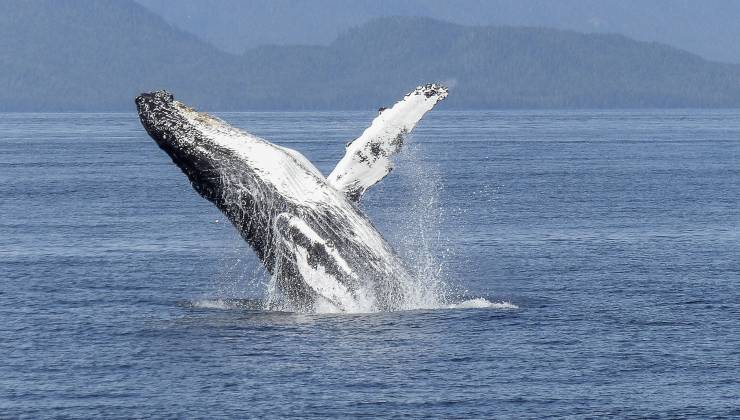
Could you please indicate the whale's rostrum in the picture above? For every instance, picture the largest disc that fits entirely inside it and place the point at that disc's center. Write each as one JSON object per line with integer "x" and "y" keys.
{"x": 307, "y": 229}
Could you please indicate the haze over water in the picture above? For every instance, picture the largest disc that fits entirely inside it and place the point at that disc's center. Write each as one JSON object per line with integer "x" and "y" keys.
{"x": 615, "y": 236}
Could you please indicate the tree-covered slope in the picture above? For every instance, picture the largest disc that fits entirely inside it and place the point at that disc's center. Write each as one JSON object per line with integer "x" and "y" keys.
{"x": 96, "y": 55}
{"x": 491, "y": 67}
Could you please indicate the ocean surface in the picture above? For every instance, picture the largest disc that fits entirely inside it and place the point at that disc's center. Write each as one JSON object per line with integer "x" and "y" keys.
{"x": 590, "y": 263}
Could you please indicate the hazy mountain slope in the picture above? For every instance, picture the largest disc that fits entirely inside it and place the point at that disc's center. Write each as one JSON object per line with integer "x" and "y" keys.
{"x": 97, "y": 55}
{"x": 709, "y": 28}
{"x": 236, "y": 25}
{"x": 492, "y": 67}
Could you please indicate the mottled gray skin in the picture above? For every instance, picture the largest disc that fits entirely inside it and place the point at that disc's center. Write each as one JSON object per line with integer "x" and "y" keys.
{"x": 261, "y": 214}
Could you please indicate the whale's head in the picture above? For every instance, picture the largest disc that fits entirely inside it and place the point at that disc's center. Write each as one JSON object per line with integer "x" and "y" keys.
{"x": 178, "y": 130}
{"x": 213, "y": 154}
{"x": 250, "y": 179}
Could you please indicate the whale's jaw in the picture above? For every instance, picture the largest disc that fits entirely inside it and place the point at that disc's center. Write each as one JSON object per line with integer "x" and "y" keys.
{"x": 165, "y": 121}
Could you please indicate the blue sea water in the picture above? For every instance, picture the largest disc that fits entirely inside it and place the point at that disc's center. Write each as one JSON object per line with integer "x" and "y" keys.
{"x": 615, "y": 236}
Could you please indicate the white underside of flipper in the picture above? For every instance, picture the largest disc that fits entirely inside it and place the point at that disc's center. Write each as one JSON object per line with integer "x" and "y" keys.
{"x": 368, "y": 158}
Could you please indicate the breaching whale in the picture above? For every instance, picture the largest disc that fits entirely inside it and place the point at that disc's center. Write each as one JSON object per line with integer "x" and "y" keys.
{"x": 307, "y": 229}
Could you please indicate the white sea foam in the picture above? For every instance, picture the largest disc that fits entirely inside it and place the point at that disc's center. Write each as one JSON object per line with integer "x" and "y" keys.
{"x": 226, "y": 304}
{"x": 326, "y": 307}
{"x": 482, "y": 303}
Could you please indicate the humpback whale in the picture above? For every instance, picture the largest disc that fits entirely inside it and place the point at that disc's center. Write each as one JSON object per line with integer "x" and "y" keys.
{"x": 307, "y": 229}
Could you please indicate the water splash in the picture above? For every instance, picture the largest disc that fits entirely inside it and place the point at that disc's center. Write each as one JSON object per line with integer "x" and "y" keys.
{"x": 414, "y": 228}
{"x": 241, "y": 274}
{"x": 233, "y": 304}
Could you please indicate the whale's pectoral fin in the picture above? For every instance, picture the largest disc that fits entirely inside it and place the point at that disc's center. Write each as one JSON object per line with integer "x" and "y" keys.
{"x": 367, "y": 159}
{"x": 315, "y": 262}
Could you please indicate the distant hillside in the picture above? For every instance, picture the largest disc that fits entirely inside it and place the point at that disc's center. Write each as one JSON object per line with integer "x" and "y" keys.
{"x": 492, "y": 67}
{"x": 709, "y": 27}
{"x": 96, "y": 55}
{"x": 65, "y": 55}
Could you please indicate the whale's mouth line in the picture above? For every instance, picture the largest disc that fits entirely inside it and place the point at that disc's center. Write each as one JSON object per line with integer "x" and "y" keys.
{"x": 261, "y": 306}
